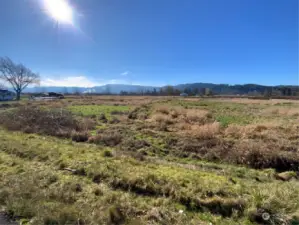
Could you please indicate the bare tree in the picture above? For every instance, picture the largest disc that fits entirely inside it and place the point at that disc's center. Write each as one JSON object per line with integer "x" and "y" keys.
{"x": 17, "y": 75}
{"x": 2, "y": 86}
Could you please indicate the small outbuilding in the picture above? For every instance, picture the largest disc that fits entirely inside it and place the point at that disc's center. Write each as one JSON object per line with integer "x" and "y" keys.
{"x": 184, "y": 95}
{"x": 46, "y": 96}
{"x": 6, "y": 95}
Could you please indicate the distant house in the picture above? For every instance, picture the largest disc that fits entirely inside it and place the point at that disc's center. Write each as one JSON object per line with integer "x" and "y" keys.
{"x": 183, "y": 94}
{"x": 47, "y": 96}
{"x": 6, "y": 95}
{"x": 57, "y": 95}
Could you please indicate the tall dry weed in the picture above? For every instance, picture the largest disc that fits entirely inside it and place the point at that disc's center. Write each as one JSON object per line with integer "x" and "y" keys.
{"x": 162, "y": 118}
{"x": 206, "y": 131}
{"x": 197, "y": 116}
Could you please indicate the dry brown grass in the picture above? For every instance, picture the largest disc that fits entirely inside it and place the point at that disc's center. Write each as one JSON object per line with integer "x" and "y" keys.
{"x": 176, "y": 112}
{"x": 139, "y": 113}
{"x": 197, "y": 116}
{"x": 268, "y": 132}
{"x": 163, "y": 109}
{"x": 183, "y": 126}
{"x": 259, "y": 149}
{"x": 178, "y": 119}
{"x": 244, "y": 131}
{"x": 113, "y": 100}
{"x": 80, "y": 136}
{"x": 256, "y": 101}
{"x": 55, "y": 122}
{"x": 87, "y": 124}
{"x": 55, "y": 104}
{"x": 281, "y": 111}
{"x": 108, "y": 139}
{"x": 258, "y": 154}
{"x": 162, "y": 118}
{"x": 235, "y": 131}
{"x": 206, "y": 131}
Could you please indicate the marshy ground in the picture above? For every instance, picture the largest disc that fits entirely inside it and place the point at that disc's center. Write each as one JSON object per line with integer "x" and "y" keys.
{"x": 150, "y": 160}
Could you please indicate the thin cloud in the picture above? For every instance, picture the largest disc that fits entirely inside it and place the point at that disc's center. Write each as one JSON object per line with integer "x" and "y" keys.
{"x": 117, "y": 81}
{"x": 75, "y": 81}
{"x": 126, "y": 73}
{"x": 79, "y": 81}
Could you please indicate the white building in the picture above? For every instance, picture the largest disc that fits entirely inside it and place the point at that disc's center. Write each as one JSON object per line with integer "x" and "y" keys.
{"x": 183, "y": 94}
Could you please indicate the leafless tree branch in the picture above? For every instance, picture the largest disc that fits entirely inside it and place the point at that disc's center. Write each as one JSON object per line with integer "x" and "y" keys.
{"x": 2, "y": 86}
{"x": 18, "y": 75}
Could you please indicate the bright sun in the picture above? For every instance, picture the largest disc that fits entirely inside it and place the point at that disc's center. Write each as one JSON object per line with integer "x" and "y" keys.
{"x": 60, "y": 10}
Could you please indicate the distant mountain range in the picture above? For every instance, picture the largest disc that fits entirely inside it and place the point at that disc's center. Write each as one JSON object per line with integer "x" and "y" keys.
{"x": 105, "y": 89}
{"x": 224, "y": 89}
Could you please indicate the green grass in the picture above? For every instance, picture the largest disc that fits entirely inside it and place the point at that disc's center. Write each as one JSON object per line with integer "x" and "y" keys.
{"x": 225, "y": 120}
{"x": 227, "y": 112}
{"x": 32, "y": 184}
{"x": 96, "y": 110}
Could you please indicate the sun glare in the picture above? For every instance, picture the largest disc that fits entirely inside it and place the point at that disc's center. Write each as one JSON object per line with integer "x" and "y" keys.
{"x": 60, "y": 10}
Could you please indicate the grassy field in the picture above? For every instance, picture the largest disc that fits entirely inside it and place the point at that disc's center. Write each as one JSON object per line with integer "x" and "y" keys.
{"x": 96, "y": 110}
{"x": 150, "y": 160}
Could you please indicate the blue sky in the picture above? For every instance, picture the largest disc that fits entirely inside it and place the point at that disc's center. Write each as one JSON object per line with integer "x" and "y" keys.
{"x": 155, "y": 42}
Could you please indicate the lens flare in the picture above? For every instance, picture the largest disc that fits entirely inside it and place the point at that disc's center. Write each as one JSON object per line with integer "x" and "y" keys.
{"x": 59, "y": 10}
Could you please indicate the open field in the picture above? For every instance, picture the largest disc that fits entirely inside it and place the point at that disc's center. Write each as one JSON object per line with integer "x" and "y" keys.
{"x": 150, "y": 160}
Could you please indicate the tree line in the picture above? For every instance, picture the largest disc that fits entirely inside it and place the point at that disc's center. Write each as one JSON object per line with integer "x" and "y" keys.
{"x": 19, "y": 77}
{"x": 170, "y": 91}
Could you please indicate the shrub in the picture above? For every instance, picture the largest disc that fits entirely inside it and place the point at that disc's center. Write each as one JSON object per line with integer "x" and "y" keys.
{"x": 155, "y": 215}
{"x": 75, "y": 187}
{"x": 183, "y": 126}
{"x": 95, "y": 139}
{"x": 4, "y": 194}
{"x": 260, "y": 128}
{"x": 117, "y": 112}
{"x": 161, "y": 118}
{"x": 140, "y": 113}
{"x": 224, "y": 207}
{"x": 116, "y": 215}
{"x": 87, "y": 124}
{"x": 55, "y": 122}
{"x": 98, "y": 191}
{"x": 102, "y": 118}
{"x": 207, "y": 131}
{"x": 177, "y": 111}
{"x": 132, "y": 144}
{"x": 114, "y": 120}
{"x": 138, "y": 155}
{"x": 286, "y": 176}
{"x": 142, "y": 116}
{"x": 282, "y": 111}
{"x": 259, "y": 155}
{"x": 163, "y": 109}
{"x": 162, "y": 127}
{"x": 107, "y": 153}
{"x": 197, "y": 116}
{"x": 133, "y": 115}
{"x": 109, "y": 139}
{"x": 235, "y": 131}
{"x": 80, "y": 171}
{"x": 80, "y": 136}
